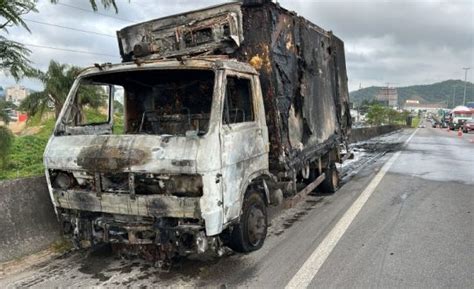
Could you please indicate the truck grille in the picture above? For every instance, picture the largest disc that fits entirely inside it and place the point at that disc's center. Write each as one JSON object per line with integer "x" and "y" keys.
{"x": 115, "y": 183}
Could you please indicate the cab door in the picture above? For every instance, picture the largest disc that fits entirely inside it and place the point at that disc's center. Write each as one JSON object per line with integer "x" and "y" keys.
{"x": 243, "y": 135}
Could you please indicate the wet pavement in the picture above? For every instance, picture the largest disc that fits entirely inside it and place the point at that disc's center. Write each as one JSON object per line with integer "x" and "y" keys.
{"x": 415, "y": 231}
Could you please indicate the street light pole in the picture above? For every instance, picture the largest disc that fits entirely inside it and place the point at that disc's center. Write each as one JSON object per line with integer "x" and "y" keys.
{"x": 454, "y": 97}
{"x": 465, "y": 84}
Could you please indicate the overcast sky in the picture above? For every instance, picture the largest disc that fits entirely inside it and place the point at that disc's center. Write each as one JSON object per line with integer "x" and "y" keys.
{"x": 401, "y": 42}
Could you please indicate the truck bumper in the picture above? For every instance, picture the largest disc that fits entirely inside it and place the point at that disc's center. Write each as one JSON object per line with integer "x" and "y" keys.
{"x": 124, "y": 204}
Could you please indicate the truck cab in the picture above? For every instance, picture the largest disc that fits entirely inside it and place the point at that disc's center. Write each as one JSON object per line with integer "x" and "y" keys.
{"x": 458, "y": 116}
{"x": 174, "y": 167}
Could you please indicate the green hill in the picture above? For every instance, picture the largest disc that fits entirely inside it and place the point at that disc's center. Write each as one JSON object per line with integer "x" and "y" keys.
{"x": 429, "y": 93}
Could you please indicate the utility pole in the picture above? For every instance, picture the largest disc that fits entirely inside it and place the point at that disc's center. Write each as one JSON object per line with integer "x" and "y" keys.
{"x": 454, "y": 96}
{"x": 465, "y": 84}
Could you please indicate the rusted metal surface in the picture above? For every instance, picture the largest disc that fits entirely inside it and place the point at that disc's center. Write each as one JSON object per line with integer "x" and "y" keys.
{"x": 216, "y": 30}
{"x": 304, "y": 80}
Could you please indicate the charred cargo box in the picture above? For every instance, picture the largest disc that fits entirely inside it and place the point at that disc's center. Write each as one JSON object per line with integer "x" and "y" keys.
{"x": 302, "y": 69}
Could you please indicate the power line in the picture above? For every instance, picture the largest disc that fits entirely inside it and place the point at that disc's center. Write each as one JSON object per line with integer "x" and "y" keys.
{"x": 97, "y": 13}
{"x": 69, "y": 50}
{"x": 70, "y": 28}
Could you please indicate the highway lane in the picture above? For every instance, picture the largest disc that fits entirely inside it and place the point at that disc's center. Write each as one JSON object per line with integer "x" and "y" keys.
{"x": 415, "y": 230}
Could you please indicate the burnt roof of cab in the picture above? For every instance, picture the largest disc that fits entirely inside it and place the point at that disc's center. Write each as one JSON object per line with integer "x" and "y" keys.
{"x": 185, "y": 13}
{"x": 172, "y": 63}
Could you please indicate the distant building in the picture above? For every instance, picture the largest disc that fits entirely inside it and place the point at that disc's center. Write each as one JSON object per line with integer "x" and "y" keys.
{"x": 412, "y": 101}
{"x": 388, "y": 95}
{"x": 428, "y": 107}
{"x": 16, "y": 94}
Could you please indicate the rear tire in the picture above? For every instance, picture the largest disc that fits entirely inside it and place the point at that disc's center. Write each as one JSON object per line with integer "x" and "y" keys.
{"x": 250, "y": 233}
{"x": 331, "y": 182}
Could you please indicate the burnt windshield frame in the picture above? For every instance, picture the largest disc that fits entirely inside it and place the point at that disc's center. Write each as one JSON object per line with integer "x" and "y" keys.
{"x": 111, "y": 89}
{"x": 127, "y": 78}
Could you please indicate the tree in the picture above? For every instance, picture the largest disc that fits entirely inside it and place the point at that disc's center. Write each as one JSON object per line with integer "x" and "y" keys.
{"x": 57, "y": 81}
{"x": 392, "y": 115}
{"x": 14, "y": 56}
{"x": 376, "y": 115}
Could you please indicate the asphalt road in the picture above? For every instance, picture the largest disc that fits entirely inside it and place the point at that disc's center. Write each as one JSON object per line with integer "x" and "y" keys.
{"x": 403, "y": 219}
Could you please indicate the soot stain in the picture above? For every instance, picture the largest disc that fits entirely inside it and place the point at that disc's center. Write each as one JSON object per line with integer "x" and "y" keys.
{"x": 109, "y": 158}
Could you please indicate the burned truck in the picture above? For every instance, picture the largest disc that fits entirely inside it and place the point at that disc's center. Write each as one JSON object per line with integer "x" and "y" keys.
{"x": 212, "y": 116}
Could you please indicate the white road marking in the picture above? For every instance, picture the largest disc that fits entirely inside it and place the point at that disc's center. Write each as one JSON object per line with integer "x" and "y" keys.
{"x": 411, "y": 136}
{"x": 311, "y": 266}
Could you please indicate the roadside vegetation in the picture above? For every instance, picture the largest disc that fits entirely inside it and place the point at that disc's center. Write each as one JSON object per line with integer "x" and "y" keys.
{"x": 25, "y": 157}
{"x": 415, "y": 121}
{"x": 6, "y": 140}
{"x": 22, "y": 155}
{"x": 383, "y": 115}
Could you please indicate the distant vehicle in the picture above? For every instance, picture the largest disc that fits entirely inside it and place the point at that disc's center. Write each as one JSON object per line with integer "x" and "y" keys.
{"x": 422, "y": 125}
{"x": 468, "y": 126}
{"x": 12, "y": 114}
{"x": 434, "y": 124}
{"x": 458, "y": 116}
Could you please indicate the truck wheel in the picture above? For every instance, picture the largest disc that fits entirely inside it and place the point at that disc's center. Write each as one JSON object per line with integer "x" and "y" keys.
{"x": 250, "y": 233}
{"x": 331, "y": 182}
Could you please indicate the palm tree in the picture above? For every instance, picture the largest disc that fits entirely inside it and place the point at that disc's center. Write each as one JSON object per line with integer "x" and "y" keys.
{"x": 57, "y": 81}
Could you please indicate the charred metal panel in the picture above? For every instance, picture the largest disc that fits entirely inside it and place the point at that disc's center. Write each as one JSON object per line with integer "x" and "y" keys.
{"x": 304, "y": 82}
{"x": 256, "y": 51}
{"x": 117, "y": 156}
{"x": 150, "y": 206}
{"x": 317, "y": 85}
{"x": 343, "y": 109}
{"x": 217, "y": 29}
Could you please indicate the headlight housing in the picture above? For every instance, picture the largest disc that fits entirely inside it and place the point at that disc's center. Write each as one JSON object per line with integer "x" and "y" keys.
{"x": 62, "y": 180}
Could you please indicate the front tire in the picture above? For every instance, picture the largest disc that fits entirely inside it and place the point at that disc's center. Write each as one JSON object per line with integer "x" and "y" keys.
{"x": 250, "y": 233}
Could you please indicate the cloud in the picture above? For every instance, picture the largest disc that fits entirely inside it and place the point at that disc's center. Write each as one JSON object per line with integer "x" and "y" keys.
{"x": 403, "y": 42}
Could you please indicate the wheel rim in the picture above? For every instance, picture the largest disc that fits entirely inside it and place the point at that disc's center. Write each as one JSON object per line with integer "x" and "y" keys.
{"x": 256, "y": 226}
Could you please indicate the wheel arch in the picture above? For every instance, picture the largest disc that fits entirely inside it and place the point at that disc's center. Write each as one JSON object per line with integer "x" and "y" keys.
{"x": 258, "y": 180}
